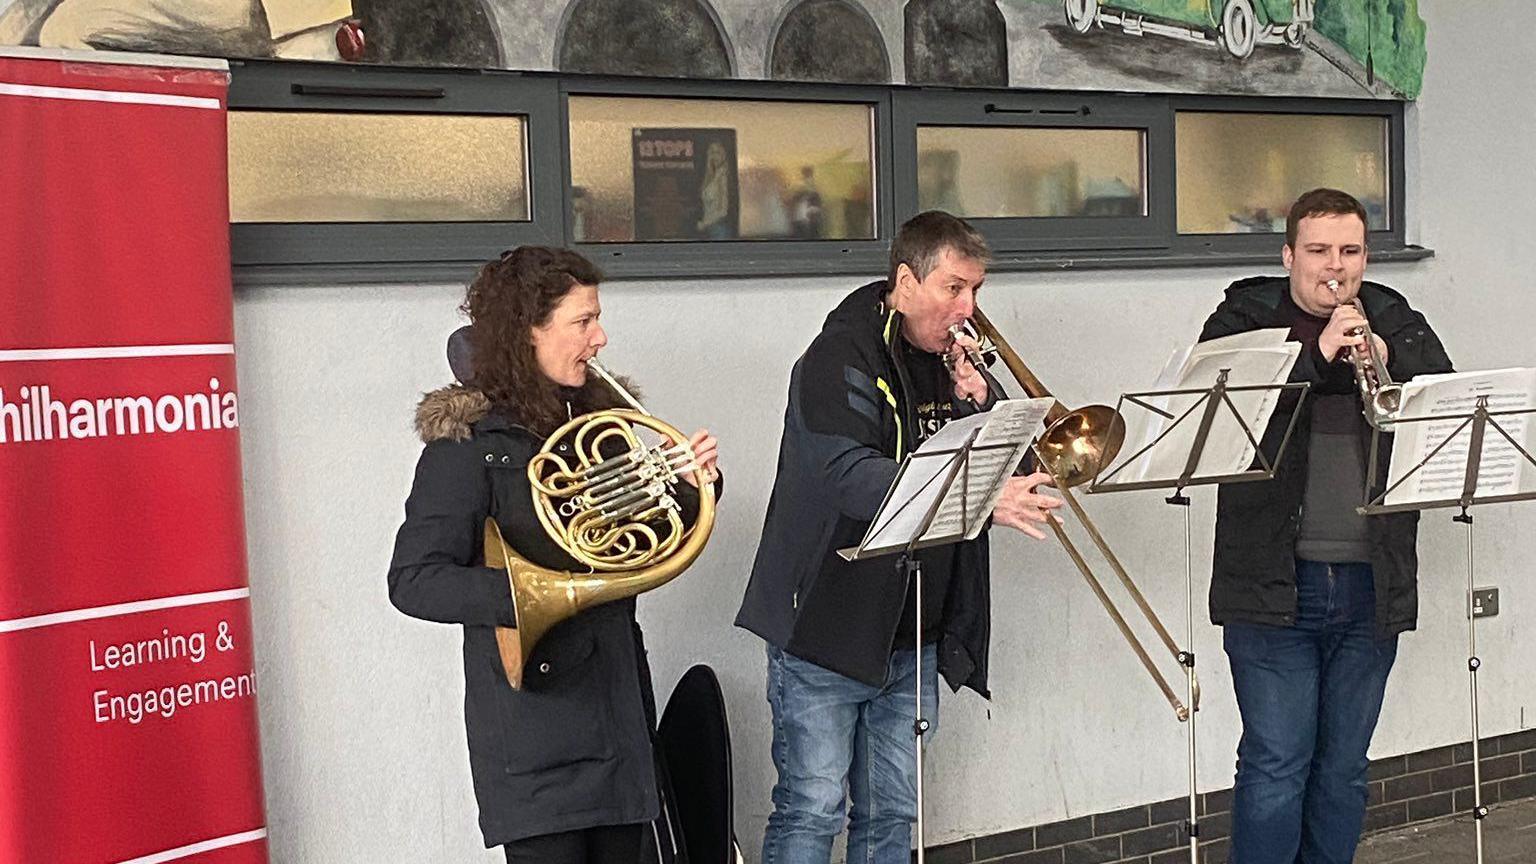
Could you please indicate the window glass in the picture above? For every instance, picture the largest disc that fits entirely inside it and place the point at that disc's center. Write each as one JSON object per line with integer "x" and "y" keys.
{"x": 713, "y": 169}
{"x": 1011, "y": 172}
{"x": 354, "y": 167}
{"x": 1239, "y": 173}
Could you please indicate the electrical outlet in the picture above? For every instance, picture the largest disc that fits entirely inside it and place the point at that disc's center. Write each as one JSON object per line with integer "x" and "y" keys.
{"x": 1485, "y": 602}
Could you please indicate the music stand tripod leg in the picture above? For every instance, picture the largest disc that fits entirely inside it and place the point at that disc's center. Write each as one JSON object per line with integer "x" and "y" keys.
{"x": 1479, "y": 810}
{"x": 1468, "y": 494}
{"x": 1187, "y": 660}
{"x": 920, "y": 724}
{"x": 1216, "y": 398}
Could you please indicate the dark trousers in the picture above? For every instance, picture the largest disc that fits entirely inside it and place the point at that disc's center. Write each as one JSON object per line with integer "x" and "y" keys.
{"x": 608, "y": 844}
{"x": 1309, "y": 696}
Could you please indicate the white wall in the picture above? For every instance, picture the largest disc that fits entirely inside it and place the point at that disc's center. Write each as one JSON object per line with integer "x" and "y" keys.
{"x": 361, "y": 706}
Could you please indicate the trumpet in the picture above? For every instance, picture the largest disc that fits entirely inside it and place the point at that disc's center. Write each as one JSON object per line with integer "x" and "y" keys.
{"x": 1381, "y": 397}
{"x": 1076, "y": 446}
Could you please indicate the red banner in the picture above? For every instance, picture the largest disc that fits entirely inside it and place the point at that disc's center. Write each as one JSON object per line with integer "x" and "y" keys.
{"x": 128, "y": 716}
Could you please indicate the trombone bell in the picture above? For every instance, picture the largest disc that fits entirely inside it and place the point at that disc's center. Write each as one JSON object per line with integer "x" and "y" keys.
{"x": 1081, "y": 444}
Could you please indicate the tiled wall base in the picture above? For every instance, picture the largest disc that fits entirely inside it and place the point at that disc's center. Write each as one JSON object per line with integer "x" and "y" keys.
{"x": 1409, "y": 788}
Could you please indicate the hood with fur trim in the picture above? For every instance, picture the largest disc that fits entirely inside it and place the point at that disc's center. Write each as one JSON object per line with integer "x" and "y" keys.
{"x": 450, "y": 413}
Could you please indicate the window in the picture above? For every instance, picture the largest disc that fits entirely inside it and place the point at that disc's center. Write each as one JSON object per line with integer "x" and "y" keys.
{"x": 982, "y": 172}
{"x": 341, "y": 167}
{"x": 1037, "y": 171}
{"x": 365, "y": 173}
{"x": 646, "y": 169}
{"x": 1239, "y": 172}
{"x": 1240, "y": 162}
{"x": 696, "y": 178}
{"x": 352, "y": 173}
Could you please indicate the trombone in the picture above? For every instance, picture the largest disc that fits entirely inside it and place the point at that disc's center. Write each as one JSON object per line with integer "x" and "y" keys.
{"x": 1076, "y": 446}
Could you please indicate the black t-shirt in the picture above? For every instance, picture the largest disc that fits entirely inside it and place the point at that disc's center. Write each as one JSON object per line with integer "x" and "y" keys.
{"x": 931, "y": 390}
{"x": 1331, "y": 530}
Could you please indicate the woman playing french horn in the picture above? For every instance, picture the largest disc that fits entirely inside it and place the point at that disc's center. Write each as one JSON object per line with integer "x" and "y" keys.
{"x": 562, "y": 762}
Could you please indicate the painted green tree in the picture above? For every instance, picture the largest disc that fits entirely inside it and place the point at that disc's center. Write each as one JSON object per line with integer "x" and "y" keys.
{"x": 1386, "y": 36}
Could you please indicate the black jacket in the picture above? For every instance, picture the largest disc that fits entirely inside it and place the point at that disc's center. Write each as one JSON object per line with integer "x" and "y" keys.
{"x": 847, "y": 423}
{"x": 571, "y": 749}
{"x": 1254, "y": 567}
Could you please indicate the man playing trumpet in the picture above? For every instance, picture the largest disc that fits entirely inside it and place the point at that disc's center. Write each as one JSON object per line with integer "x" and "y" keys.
{"x": 841, "y": 635}
{"x": 1311, "y": 594}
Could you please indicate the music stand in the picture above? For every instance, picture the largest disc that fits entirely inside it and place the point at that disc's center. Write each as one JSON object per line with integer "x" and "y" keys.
{"x": 906, "y": 524}
{"x": 1481, "y": 419}
{"x": 1210, "y": 402}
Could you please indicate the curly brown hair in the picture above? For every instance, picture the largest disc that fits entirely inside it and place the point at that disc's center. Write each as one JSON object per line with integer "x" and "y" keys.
{"x": 507, "y": 299}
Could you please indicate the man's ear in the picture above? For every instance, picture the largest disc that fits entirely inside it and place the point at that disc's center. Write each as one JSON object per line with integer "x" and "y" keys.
{"x": 1287, "y": 257}
{"x": 906, "y": 280}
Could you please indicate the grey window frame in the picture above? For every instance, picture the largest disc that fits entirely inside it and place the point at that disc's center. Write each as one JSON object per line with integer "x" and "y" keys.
{"x": 740, "y": 258}
{"x": 318, "y": 252}
{"x": 1017, "y": 240}
{"x": 335, "y": 253}
{"x": 1385, "y": 245}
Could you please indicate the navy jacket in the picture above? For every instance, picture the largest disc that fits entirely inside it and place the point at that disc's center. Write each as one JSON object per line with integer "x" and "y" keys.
{"x": 847, "y": 423}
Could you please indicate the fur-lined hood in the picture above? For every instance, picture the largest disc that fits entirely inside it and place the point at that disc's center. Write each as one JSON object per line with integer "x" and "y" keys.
{"x": 450, "y": 413}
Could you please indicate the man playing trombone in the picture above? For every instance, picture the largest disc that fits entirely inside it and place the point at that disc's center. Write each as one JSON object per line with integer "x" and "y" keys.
{"x": 1312, "y": 595}
{"x": 872, "y": 385}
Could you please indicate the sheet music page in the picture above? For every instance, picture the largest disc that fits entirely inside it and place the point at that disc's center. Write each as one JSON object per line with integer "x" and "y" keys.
{"x": 1006, "y": 439}
{"x": 1449, "y": 398}
{"x": 1260, "y": 357}
{"x": 1002, "y": 434}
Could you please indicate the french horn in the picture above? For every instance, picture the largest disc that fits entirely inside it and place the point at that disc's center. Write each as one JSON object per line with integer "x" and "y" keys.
{"x": 603, "y": 488}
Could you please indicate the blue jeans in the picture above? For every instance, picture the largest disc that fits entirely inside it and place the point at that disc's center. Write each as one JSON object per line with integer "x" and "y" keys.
{"x": 830, "y": 730}
{"x": 1309, "y": 696}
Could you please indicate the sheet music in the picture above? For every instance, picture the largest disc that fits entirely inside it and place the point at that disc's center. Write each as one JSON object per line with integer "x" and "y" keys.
{"x": 1502, "y": 470}
{"x": 1002, "y": 435}
{"x": 1258, "y": 357}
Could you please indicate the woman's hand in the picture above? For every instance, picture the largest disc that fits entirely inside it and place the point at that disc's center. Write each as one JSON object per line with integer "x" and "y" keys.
{"x": 706, "y": 455}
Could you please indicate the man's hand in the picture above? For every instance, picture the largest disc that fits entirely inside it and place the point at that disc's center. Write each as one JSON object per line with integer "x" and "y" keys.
{"x": 1381, "y": 348}
{"x": 706, "y": 455}
{"x": 1021, "y": 507}
{"x": 969, "y": 382}
{"x": 1336, "y": 336}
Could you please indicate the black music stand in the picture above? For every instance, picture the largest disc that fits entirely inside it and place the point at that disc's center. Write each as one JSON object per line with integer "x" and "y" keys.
{"x": 1480, "y": 421}
{"x": 939, "y": 493}
{"x": 1210, "y": 402}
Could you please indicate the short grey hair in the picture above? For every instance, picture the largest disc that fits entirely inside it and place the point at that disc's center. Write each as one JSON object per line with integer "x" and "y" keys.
{"x": 923, "y": 238}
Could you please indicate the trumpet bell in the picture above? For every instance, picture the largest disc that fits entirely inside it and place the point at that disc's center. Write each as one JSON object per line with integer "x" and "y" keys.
{"x": 1388, "y": 401}
{"x": 1082, "y": 443}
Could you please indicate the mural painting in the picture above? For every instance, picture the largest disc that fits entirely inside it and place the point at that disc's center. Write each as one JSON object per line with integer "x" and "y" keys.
{"x": 1309, "y": 48}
